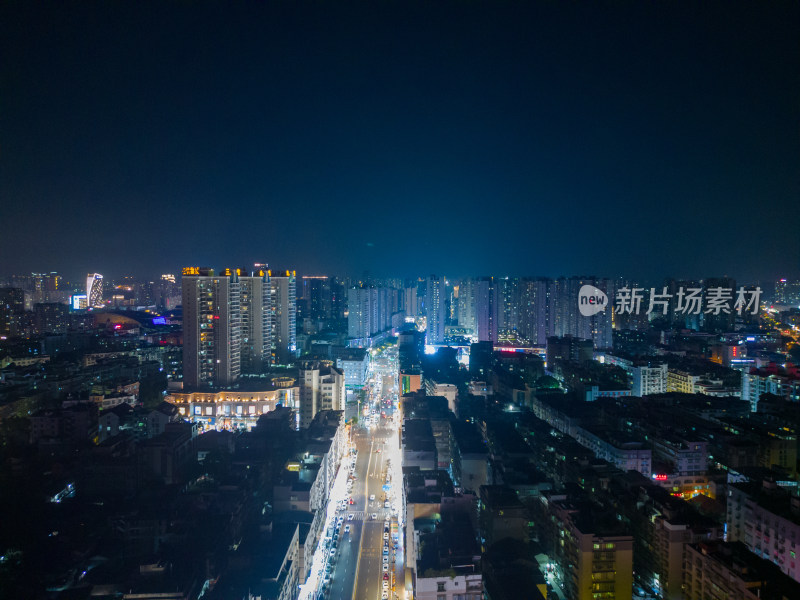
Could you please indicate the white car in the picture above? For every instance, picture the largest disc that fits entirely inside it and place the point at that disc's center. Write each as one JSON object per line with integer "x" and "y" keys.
{"x": 347, "y": 528}
{"x": 350, "y": 517}
{"x": 372, "y": 497}
{"x": 374, "y": 516}
{"x": 386, "y": 559}
{"x": 385, "y": 584}
{"x": 385, "y": 567}
{"x": 386, "y": 536}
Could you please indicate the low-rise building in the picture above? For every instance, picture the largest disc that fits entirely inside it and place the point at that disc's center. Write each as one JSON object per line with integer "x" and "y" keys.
{"x": 772, "y": 379}
{"x": 354, "y": 364}
{"x": 591, "y": 550}
{"x": 729, "y": 570}
{"x": 625, "y": 453}
{"x": 766, "y": 518}
{"x": 649, "y": 379}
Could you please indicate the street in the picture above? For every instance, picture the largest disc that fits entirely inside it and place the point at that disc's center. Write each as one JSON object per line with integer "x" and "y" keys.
{"x": 367, "y": 562}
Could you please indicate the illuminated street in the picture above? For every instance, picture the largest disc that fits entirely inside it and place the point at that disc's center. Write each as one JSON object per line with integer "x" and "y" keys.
{"x": 362, "y": 547}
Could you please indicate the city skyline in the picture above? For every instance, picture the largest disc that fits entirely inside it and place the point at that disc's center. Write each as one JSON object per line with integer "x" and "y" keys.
{"x": 642, "y": 139}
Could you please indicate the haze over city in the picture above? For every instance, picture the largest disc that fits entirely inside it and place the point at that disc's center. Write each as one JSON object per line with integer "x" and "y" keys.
{"x": 636, "y": 139}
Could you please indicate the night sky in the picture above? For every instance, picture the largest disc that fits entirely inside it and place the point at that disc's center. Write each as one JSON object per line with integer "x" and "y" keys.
{"x": 633, "y": 138}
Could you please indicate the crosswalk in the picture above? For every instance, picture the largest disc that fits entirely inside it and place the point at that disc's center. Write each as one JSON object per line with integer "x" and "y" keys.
{"x": 361, "y": 515}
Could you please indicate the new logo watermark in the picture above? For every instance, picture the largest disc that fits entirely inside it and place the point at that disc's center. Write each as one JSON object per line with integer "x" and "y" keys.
{"x": 687, "y": 301}
{"x": 591, "y": 300}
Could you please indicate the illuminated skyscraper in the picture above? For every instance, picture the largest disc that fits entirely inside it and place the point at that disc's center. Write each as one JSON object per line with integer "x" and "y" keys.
{"x": 94, "y": 290}
{"x": 787, "y": 292}
{"x": 435, "y": 309}
{"x": 254, "y": 305}
{"x": 362, "y": 312}
{"x": 211, "y": 327}
{"x": 283, "y": 316}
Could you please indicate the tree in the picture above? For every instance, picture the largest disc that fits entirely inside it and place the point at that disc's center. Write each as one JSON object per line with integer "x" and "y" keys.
{"x": 547, "y": 382}
{"x": 151, "y": 390}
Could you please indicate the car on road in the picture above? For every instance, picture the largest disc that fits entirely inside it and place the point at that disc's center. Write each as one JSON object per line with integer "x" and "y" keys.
{"x": 386, "y": 504}
{"x": 333, "y": 551}
{"x": 385, "y": 567}
{"x": 374, "y": 516}
{"x": 371, "y": 497}
{"x": 350, "y": 517}
{"x": 386, "y": 559}
{"x": 385, "y": 535}
{"x": 385, "y": 550}
{"x": 347, "y": 528}
{"x": 385, "y": 585}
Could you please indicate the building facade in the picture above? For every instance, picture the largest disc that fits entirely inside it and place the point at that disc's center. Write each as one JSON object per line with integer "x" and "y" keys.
{"x": 211, "y": 328}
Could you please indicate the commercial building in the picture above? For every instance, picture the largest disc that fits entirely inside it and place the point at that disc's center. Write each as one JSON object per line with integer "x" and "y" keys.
{"x": 94, "y": 290}
{"x": 235, "y": 409}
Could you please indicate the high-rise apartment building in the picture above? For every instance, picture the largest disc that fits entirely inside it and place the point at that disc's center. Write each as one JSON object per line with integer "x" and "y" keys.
{"x": 51, "y": 317}
{"x": 317, "y": 296}
{"x": 549, "y": 307}
{"x": 211, "y": 327}
{"x": 256, "y": 335}
{"x": 477, "y": 308}
{"x": 361, "y": 312}
{"x": 435, "y": 309}
{"x": 283, "y": 309}
{"x": 535, "y": 324}
{"x": 12, "y": 307}
{"x": 507, "y": 303}
{"x": 370, "y": 310}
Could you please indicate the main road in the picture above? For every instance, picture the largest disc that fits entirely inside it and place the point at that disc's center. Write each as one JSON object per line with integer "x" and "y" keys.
{"x": 370, "y": 553}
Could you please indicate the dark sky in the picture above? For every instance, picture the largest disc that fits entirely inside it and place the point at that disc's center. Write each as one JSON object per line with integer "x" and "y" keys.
{"x": 520, "y": 138}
